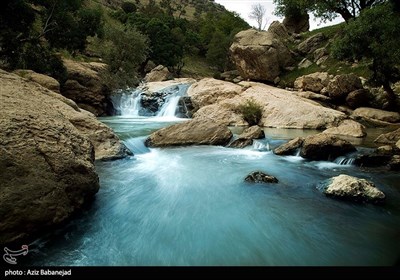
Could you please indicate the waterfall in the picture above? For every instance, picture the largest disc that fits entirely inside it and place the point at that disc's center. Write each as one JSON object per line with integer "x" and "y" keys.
{"x": 171, "y": 103}
{"x": 163, "y": 103}
{"x": 128, "y": 103}
{"x": 261, "y": 146}
{"x": 344, "y": 161}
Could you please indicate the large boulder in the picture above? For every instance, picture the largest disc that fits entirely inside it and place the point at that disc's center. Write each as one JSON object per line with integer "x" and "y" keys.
{"x": 281, "y": 109}
{"x": 260, "y": 177}
{"x": 348, "y": 128}
{"x": 193, "y": 132}
{"x": 311, "y": 44}
{"x": 289, "y": 148}
{"x": 246, "y": 138}
{"x": 43, "y": 80}
{"x": 297, "y": 24}
{"x": 46, "y": 162}
{"x": 341, "y": 85}
{"x": 85, "y": 86}
{"x": 324, "y": 146}
{"x": 358, "y": 98}
{"x": 279, "y": 30}
{"x": 388, "y": 138}
{"x": 209, "y": 91}
{"x": 158, "y": 74}
{"x": 259, "y": 55}
{"x": 314, "y": 82}
{"x": 354, "y": 189}
{"x": 376, "y": 114}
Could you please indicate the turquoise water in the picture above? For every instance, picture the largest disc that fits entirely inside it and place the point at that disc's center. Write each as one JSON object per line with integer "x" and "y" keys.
{"x": 190, "y": 206}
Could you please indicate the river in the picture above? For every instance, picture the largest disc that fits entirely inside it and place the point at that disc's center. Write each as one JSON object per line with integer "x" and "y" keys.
{"x": 191, "y": 206}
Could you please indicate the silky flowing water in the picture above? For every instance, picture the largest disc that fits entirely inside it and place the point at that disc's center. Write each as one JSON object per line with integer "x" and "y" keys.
{"x": 191, "y": 206}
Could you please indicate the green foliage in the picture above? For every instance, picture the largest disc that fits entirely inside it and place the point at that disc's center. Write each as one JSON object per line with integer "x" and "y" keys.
{"x": 124, "y": 49}
{"x": 251, "y": 111}
{"x": 326, "y": 9}
{"x": 374, "y": 35}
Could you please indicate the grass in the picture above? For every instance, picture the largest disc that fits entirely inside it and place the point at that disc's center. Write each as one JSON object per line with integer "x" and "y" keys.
{"x": 196, "y": 67}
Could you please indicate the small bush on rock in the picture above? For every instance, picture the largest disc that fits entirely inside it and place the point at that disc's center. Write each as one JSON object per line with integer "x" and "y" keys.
{"x": 251, "y": 111}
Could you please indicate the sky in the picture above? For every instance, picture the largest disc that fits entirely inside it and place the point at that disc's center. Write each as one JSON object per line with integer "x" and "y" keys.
{"x": 243, "y": 8}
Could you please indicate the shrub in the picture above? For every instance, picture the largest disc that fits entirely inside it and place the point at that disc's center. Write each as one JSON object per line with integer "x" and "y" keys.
{"x": 251, "y": 111}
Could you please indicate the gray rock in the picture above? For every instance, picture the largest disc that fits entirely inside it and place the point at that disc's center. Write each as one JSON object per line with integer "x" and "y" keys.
{"x": 260, "y": 177}
{"x": 354, "y": 189}
{"x": 46, "y": 162}
{"x": 324, "y": 146}
{"x": 311, "y": 44}
{"x": 193, "y": 132}
{"x": 289, "y": 148}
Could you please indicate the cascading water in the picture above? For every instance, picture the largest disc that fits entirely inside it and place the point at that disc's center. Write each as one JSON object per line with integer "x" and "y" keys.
{"x": 171, "y": 103}
{"x": 347, "y": 161}
{"x": 128, "y": 103}
{"x": 164, "y": 102}
{"x": 191, "y": 206}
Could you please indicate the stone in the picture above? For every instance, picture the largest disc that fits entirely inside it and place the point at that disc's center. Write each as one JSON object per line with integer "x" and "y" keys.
{"x": 279, "y": 30}
{"x": 389, "y": 138}
{"x": 354, "y": 189}
{"x": 313, "y": 96}
{"x": 259, "y": 55}
{"x": 193, "y": 132}
{"x": 240, "y": 143}
{"x": 46, "y": 162}
{"x": 311, "y": 44}
{"x": 261, "y": 177}
{"x": 348, "y": 128}
{"x": 314, "y": 82}
{"x": 281, "y": 109}
{"x": 253, "y": 132}
{"x": 43, "y": 80}
{"x": 209, "y": 91}
{"x": 394, "y": 163}
{"x": 372, "y": 159}
{"x": 341, "y": 85}
{"x": 320, "y": 53}
{"x": 85, "y": 86}
{"x": 305, "y": 63}
{"x": 358, "y": 98}
{"x": 377, "y": 114}
{"x": 398, "y": 144}
{"x": 289, "y": 148}
{"x": 324, "y": 146}
{"x": 159, "y": 74}
{"x": 246, "y": 138}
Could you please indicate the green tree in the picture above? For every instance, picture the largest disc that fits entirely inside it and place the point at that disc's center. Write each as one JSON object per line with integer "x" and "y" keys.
{"x": 124, "y": 50}
{"x": 327, "y": 9}
{"x": 374, "y": 35}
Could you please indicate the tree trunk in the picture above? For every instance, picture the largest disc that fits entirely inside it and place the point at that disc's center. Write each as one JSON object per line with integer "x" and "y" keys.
{"x": 391, "y": 95}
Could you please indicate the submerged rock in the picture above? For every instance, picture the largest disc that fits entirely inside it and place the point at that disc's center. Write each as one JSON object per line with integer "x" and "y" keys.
{"x": 323, "y": 146}
{"x": 289, "y": 148}
{"x": 246, "y": 138}
{"x": 354, "y": 189}
{"x": 46, "y": 161}
{"x": 260, "y": 177}
{"x": 193, "y": 132}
